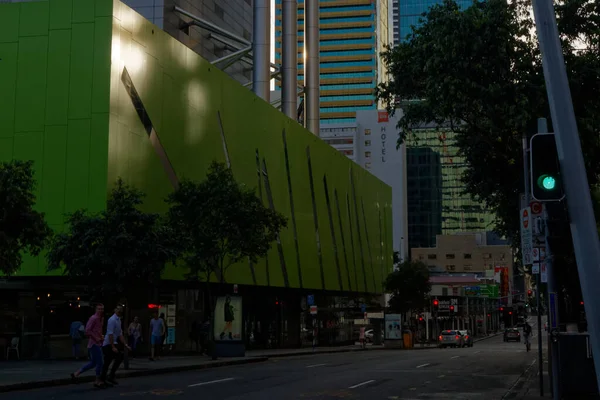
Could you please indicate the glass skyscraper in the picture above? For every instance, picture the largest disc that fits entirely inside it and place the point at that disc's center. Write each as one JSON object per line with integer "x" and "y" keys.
{"x": 352, "y": 34}
{"x": 406, "y": 13}
{"x": 437, "y": 203}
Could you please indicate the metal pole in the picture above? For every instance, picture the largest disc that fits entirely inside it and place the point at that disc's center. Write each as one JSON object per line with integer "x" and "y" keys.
{"x": 261, "y": 49}
{"x": 554, "y": 354}
{"x": 577, "y": 189}
{"x": 289, "y": 65}
{"x": 311, "y": 65}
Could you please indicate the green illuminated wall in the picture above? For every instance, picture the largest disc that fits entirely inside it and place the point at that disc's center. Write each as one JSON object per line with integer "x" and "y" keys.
{"x": 71, "y": 109}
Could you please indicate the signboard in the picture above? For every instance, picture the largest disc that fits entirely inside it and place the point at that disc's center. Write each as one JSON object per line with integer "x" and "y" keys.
{"x": 228, "y": 318}
{"x": 535, "y": 268}
{"x": 543, "y": 272}
{"x": 526, "y": 236}
{"x": 472, "y": 291}
{"x": 361, "y": 322}
{"x": 444, "y": 303}
{"x": 553, "y": 314}
{"x": 363, "y": 307}
{"x": 536, "y": 208}
{"x": 310, "y": 299}
{"x": 536, "y": 254}
{"x": 501, "y": 277}
{"x": 393, "y": 327}
{"x": 375, "y": 315}
{"x": 170, "y": 335}
{"x": 313, "y": 310}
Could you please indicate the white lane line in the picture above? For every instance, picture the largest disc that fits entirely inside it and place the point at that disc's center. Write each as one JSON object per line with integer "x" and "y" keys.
{"x": 452, "y": 358}
{"x": 422, "y": 365}
{"x": 477, "y": 352}
{"x": 315, "y": 365}
{"x": 210, "y": 382}
{"x": 441, "y": 376}
{"x": 361, "y": 384}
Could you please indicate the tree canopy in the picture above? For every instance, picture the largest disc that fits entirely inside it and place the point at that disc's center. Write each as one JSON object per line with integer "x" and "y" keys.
{"x": 22, "y": 228}
{"x": 117, "y": 249}
{"x": 409, "y": 287}
{"x": 221, "y": 222}
{"x": 479, "y": 71}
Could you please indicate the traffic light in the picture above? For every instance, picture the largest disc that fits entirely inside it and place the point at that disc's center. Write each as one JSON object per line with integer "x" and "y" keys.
{"x": 546, "y": 182}
{"x": 451, "y": 309}
{"x": 529, "y": 292}
{"x": 436, "y": 303}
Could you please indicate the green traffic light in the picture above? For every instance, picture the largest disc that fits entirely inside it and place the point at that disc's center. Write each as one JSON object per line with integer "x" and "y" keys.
{"x": 547, "y": 182}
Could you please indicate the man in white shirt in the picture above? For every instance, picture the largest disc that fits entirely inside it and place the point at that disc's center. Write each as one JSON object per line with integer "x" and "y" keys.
{"x": 114, "y": 341}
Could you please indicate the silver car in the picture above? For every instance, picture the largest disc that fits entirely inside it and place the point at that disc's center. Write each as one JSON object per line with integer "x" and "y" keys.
{"x": 451, "y": 339}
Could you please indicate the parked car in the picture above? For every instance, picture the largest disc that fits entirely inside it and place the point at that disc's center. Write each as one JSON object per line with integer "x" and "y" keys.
{"x": 512, "y": 334}
{"x": 451, "y": 339}
{"x": 370, "y": 334}
{"x": 467, "y": 338}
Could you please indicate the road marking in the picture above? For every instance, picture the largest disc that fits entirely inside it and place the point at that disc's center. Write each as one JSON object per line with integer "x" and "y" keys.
{"x": 210, "y": 382}
{"x": 315, "y": 365}
{"x": 441, "y": 376}
{"x": 361, "y": 384}
{"x": 422, "y": 365}
{"x": 477, "y": 352}
{"x": 452, "y": 358}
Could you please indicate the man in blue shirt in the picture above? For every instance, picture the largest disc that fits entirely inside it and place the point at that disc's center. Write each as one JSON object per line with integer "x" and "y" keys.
{"x": 157, "y": 331}
{"x": 113, "y": 345}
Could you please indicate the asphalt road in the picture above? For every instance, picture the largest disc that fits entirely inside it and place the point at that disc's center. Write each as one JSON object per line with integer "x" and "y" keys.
{"x": 485, "y": 371}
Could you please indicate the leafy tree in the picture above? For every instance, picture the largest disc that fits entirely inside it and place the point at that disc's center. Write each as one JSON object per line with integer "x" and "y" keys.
{"x": 221, "y": 222}
{"x": 479, "y": 71}
{"x": 116, "y": 250}
{"x": 22, "y": 228}
{"x": 409, "y": 287}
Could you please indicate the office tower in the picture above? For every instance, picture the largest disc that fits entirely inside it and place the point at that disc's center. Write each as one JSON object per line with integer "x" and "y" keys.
{"x": 352, "y": 34}
{"x": 406, "y": 13}
{"x": 437, "y": 202}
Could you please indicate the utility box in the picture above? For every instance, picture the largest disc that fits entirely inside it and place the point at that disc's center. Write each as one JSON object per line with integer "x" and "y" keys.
{"x": 577, "y": 372}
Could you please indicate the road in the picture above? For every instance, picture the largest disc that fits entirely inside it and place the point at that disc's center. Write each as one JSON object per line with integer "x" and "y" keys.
{"x": 485, "y": 371}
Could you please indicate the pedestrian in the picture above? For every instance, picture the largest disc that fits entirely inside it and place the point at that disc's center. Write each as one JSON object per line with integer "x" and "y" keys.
{"x": 114, "y": 342}
{"x": 361, "y": 337}
{"x": 157, "y": 331}
{"x": 204, "y": 334}
{"x": 93, "y": 331}
{"x": 76, "y": 333}
{"x": 135, "y": 335}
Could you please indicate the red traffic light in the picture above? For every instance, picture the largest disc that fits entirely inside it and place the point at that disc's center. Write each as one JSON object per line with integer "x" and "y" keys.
{"x": 436, "y": 302}
{"x": 421, "y": 319}
{"x": 501, "y": 308}
{"x": 510, "y": 313}
{"x": 581, "y": 302}
{"x": 451, "y": 308}
{"x": 529, "y": 292}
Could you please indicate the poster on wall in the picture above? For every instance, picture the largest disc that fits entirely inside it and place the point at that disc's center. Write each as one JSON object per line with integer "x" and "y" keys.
{"x": 393, "y": 327}
{"x": 228, "y": 318}
{"x": 501, "y": 278}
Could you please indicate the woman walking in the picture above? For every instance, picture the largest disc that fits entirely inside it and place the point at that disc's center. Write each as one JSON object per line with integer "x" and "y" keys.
{"x": 135, "y": 335}
{"x": 93, "y": 330}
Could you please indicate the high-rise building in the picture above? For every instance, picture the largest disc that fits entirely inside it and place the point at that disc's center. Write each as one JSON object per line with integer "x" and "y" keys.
{"x": 406, "y": 13}
{"x": 437, "y": 202}
{"x": 234, "y": 16}
{"x": 352, "y": 34}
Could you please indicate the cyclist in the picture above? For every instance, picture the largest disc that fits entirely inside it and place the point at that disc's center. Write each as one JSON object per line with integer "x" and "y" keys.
{"x": 527, "y": 335}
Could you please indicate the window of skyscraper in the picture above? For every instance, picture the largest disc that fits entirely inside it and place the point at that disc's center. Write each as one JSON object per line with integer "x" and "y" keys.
{"x": 450, "y": 256}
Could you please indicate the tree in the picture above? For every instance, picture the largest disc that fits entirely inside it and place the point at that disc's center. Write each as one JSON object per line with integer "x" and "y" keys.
{"x": 221, "y": 222}
{"x": 22, "y": 228}
{"x": 479, "y": 71}
{"x": 116, "y": 250}
{"x": 409, "y": 287}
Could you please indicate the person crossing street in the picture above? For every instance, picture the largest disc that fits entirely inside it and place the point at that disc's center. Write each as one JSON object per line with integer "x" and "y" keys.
{"x": 527, "y": 335}
{"x": 114, "y": 342}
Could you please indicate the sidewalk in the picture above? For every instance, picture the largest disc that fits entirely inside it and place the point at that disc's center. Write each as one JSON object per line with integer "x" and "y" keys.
{"x": 22, "y": 375}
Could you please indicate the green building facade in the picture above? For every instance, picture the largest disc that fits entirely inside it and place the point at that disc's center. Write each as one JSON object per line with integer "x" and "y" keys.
{"x": 91, "y": 91}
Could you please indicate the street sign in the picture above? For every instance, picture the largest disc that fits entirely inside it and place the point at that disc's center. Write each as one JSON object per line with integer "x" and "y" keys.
{"x": 536, "y": 208}
{"x": 526, "y": 236}
{"x": 310, "y": 299}
{"x": 553, "y": 314}
{"x": 375, "y": 315}
{"x": 543, "y": 272}
{"x": 235, "y": 289}
{"x": 536, "y": 254}
{"x": 535, "y": 268}
{"x": 313, "y": 310}
{"x": 363, "y": 307}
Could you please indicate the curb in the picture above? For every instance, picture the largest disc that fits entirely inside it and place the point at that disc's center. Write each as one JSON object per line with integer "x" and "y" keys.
{"x": 316, "y": 353}
{"x": 487, "y": 337}
{"x": 132, "y": 374}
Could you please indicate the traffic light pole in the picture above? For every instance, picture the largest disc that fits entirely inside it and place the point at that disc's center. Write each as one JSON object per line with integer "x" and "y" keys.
{"x": 581, "y": 214}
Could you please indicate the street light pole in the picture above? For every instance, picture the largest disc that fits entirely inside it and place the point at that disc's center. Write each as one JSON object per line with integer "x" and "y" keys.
{"x": 576, "y": 185}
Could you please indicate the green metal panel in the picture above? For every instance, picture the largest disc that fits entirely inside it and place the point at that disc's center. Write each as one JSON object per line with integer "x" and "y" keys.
{"x": 34, "y": 18}
{"x": 78, "y": 123}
